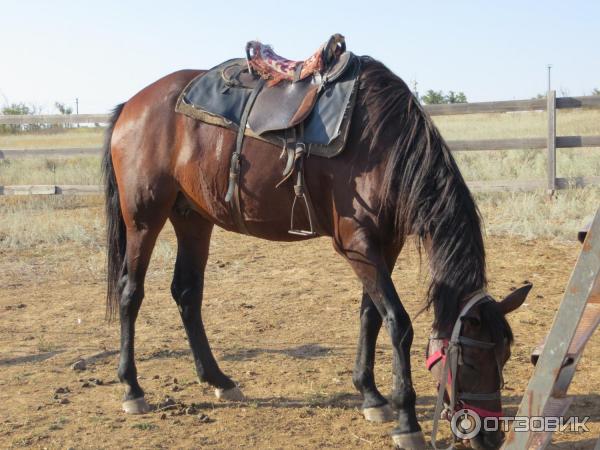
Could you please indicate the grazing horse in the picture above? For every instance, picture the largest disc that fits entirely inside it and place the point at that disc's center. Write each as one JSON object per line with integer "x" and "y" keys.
{"x": 395, "y": 178}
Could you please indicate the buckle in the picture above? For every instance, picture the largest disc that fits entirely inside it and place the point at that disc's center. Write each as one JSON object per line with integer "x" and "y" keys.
{"x": 235, "y": 163}
{"x": 300, "y": 148}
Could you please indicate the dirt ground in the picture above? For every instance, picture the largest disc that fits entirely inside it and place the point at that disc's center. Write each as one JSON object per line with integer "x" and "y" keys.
{"x": 283, "y": 322}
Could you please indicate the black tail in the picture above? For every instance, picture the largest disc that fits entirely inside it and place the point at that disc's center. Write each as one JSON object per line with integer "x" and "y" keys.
{"x": 116, "y": 239}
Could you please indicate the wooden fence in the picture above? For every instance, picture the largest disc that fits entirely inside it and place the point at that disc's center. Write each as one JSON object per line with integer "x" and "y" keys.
{"x": 551, "y": 142}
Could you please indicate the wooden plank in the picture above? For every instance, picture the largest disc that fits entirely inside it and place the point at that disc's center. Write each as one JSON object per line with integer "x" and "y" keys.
{"x": 523, "y": 143}
{"x": 589, "y": 101}
{"x": 577, "y": 182}
{"x": 531, "y": 185}
{"x": 556, "y": 407}
{"x": 577, "y": 141}
{"x": 49, "y": 152}
{"x": 497, "y": 144}
{"x": 506, "y": 185}
{"x": 53, "y": 119}
{"x": 551, "y": 168}
{"x": 486, "y": 107}
{"x": 51, "y": 190}
{"x": 43, "y": 189}
{"x": 68, "y": 189}
{"x": 476, "y": 186}
{"x": 456, "y": 145}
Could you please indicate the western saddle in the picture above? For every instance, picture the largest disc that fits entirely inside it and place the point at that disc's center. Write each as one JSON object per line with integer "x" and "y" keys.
{"x": 284, "y": 93}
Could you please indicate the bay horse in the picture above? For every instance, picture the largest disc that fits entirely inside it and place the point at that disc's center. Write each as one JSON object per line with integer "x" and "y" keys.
{"x": 395, "y": 178}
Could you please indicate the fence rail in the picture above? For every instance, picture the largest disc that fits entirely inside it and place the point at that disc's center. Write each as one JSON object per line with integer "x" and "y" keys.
{"x": 53, "y": 119}
{"x": 551, "y": 142}
{"x": 456, "y": 146}
{"x": 50, "y": 189}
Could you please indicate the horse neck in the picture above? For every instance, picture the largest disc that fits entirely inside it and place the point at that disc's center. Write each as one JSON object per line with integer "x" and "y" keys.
{"x": 457, "y": 269}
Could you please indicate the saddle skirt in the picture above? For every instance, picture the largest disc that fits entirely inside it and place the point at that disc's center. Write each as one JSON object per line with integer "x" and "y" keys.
{"x": 321, "y": 100}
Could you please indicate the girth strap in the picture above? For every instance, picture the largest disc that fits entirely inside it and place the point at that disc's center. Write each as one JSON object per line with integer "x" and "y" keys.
{"x": 233, "y": 191}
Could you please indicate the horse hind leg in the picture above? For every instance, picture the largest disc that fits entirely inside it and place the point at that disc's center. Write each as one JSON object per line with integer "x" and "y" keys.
{"x": 193, "y": 239}
{"x": 140, "y": 242}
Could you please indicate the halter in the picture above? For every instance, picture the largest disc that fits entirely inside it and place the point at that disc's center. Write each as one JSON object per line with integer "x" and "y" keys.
{"x": 451, "y": 355}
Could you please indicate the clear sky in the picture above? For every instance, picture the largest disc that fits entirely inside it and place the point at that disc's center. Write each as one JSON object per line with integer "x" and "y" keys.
{"x": 103, "y": 52}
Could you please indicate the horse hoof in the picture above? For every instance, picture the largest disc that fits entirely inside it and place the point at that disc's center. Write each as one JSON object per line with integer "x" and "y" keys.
{"x": 409, "y": 441}
{"x": 231, "y": 395}
{"x": 136, "y": 406}
{"x": 379, "y": 414}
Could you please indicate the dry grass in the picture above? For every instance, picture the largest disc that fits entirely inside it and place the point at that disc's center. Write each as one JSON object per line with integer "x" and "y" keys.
{"x": 54, "y": 138}
{"x": 533, "y": 214}
{"x": 80, "y": 170}
{"x": 50, "y": 221}
{"x": 518, "y": 124}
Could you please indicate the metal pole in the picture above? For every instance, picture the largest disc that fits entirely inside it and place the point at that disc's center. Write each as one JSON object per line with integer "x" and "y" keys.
{"x": 549, "y": 66}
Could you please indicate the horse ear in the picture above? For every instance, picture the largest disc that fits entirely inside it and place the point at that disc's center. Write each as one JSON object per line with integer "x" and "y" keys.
{"x": 515, "y": 299}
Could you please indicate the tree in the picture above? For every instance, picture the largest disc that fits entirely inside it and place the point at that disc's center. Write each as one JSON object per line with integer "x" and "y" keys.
{"x": 436, "y": 97}
{"x": 18, "y": 109}
{"x": 63, "y": 109}
{"x": 595, "y": 91}
{"x": 432, "y": 97}
{"x": 454, "y": 97}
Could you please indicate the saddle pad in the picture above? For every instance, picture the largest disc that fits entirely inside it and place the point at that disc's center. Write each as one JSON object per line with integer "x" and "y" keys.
{"x": 212, "y": 99}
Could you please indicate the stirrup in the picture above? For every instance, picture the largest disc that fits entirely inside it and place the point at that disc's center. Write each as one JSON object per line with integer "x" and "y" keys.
{"x": 297, "y": 231}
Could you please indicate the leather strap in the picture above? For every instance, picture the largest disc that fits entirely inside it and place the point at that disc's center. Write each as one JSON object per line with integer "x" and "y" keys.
{"x": 233, "y": 192}
{"x": 451, "y": 367}
{"x": 300, "y": 190}
{"x": 479, "y": 396}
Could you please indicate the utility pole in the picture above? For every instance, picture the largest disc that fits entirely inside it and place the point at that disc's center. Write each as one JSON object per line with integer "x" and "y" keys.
{"x": 415, "y": 89}
{"x": 549, "y": 67}
{"x": 77, "y": 108}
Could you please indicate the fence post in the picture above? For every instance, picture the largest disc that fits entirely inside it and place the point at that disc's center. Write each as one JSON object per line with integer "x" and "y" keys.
{"x": 551, "y": 108}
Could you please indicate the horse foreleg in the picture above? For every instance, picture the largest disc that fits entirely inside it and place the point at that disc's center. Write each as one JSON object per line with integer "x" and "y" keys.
{"x": 375, "y": 407}
{"x": 368, "y": 262}
{"x": 193, "y": 240}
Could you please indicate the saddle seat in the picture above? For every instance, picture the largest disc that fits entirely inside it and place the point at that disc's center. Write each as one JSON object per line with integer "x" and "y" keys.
{"x": 274, "y": 68}
{"x": 289, "y": 89}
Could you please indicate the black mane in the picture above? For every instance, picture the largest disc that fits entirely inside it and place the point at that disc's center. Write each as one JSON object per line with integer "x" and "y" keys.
{"x": 423, "y": 192}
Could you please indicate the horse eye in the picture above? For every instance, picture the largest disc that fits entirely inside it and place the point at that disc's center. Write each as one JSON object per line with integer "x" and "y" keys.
{"x": 473, "y": 321}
